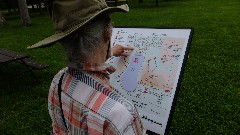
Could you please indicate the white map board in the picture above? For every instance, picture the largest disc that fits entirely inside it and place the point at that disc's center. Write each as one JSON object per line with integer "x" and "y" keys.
{"x": 150, "y": 76}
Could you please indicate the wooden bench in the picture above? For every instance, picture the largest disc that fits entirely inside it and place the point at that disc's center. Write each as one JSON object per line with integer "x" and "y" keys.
{"x": 7, "y": 56}
{"x": 5, "y": 59}
{"x": 33, "y": 64}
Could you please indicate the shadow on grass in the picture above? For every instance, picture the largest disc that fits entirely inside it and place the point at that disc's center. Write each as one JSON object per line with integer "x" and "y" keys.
{"x": 24, "y": 103}
{"x": 25, "y": 82}
{"x": 152, "y": 3}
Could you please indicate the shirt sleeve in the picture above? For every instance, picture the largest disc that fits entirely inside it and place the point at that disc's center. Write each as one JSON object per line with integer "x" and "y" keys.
{"x": 135, "y": 128}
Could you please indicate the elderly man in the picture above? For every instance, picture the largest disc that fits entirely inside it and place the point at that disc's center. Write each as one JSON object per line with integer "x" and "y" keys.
{"x": 81, "y": 100}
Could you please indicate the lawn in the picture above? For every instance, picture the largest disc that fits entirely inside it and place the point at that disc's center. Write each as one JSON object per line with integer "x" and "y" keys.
{"x": 209, "y": 98}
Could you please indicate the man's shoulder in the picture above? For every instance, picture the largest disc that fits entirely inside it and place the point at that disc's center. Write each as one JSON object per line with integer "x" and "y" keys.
{"x": 58, "y": 75}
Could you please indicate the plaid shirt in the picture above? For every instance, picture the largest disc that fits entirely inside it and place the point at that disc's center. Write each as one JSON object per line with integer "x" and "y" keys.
{"x": 90, "y": 105}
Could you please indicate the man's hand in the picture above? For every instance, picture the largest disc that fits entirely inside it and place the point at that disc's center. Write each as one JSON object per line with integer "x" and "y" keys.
{"x": 119, "y": 50}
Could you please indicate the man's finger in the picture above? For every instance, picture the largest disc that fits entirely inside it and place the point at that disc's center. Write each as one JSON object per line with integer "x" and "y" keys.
{"x": 123, "y": 54}
{"x": 128, "y": 48}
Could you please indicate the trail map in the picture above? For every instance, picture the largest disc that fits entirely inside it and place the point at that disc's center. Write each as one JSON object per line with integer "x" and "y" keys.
{"x": 149, "y": 76}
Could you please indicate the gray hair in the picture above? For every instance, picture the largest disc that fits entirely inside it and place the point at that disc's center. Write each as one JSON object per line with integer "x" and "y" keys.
{"x": 82, "y": 43}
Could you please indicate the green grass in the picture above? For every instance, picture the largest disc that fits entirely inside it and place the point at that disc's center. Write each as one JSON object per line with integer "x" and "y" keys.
{"x": 209, "y": 99}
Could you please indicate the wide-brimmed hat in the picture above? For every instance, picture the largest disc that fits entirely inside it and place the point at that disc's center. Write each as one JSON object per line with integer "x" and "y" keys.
{"x": 70, "y": 15}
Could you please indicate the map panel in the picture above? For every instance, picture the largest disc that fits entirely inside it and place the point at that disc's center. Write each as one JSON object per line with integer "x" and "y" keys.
{"x": 148, "y": 77}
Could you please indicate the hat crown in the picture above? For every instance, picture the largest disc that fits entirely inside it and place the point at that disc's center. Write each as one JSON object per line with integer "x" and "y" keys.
{"x": 68, "y": 13}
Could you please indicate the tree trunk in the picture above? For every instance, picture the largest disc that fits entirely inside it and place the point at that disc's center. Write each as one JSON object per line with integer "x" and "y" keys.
{"x": 25, "y": 19}
{"x": 2, "y": 20}
{"x": 39, "y": 6}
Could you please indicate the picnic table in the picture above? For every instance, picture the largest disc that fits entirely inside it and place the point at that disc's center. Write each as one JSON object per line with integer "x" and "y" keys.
{"x": 8, "y": 56}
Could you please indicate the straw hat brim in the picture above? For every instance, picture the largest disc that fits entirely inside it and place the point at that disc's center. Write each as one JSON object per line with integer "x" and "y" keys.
{"x": 49, "y": 41}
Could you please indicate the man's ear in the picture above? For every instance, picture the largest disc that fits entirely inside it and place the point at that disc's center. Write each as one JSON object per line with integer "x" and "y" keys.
{"x": 107, "y": 29}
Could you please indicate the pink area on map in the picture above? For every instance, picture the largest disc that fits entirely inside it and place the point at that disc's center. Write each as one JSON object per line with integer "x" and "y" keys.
{"x": 170, "y": 51}
{"x": 158, "y": 79}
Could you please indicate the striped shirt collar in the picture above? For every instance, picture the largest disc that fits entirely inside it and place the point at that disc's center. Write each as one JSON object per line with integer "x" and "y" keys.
{"x": 103, "y": 68}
